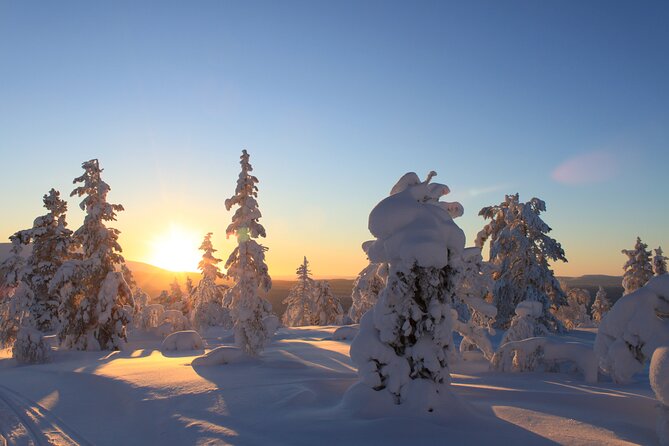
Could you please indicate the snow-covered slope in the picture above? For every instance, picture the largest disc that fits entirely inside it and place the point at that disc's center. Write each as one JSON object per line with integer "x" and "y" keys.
{"x": 292, "y": 395}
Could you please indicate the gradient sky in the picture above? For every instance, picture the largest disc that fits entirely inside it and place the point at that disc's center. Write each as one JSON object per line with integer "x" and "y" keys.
{"x": 564, "y": 100}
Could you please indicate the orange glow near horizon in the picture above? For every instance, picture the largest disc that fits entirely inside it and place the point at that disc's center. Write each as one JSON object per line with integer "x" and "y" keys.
{"x": 176, "y": 250}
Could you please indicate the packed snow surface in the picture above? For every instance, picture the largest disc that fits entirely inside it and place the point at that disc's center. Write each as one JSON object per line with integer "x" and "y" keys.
{"x": 292, "y": 394}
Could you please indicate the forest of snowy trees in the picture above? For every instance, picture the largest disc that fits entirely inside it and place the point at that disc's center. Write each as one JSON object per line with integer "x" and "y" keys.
{"x": 422, "y": 291}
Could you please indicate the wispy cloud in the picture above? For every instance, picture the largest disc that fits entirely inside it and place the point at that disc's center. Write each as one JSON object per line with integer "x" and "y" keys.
{"x": 475, "y": 192}
{"x": 586, "y": 168}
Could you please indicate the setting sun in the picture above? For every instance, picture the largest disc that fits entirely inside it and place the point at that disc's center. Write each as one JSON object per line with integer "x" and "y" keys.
{"x": 176, "y": 250}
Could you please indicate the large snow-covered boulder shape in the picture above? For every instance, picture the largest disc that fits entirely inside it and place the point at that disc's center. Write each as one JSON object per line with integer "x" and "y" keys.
{"x": 30, "y": 347}
{"x": 405, "y": 341}
{"x": 541, "y": 354}
{"x": 630, "y": 332}
{"x": 224, "y": 354}
{"x": 180, "y": 341}
{"x": 659, "y": 374}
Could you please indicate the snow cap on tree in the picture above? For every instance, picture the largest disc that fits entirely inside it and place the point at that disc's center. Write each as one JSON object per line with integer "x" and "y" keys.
{"x": 638, "y": 268}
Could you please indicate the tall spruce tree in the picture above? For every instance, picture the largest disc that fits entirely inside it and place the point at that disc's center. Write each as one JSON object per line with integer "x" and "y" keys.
{"x": 638, "y": 268}
{"x": 520, "y": 250}
{"x": 209, "y": 309}
{"x": 300, "y": 300}
{"x": 600, "y": 306}
{"x": 51, "y": 247}
{"x": 92, "y": 290}
{"x": 659, "y": 262}
{"x": 253, "y": 321}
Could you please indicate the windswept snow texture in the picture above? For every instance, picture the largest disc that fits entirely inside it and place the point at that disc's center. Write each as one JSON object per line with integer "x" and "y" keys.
{"x": 291, "y": 395}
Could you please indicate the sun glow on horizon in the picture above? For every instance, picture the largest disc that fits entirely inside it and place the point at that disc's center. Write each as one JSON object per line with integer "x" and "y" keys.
{"x": 176, "y": 250}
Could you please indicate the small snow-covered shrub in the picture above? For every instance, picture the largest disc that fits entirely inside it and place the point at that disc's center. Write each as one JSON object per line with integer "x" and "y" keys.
{"x": 541, "y": 354}
{"x": 182, "y": 341}
{"x": 345, "y": 333}
{"x": 659, "y": 381}
{"x": 30, "y": 347}
{"x": 630, "y": 332}
{"x": 224, "y": 354}
{"x": 524, "y": 324}
{"x": 152, "y": 316}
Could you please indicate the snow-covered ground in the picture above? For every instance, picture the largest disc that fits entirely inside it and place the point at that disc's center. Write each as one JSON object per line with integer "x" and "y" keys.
{"x": 292, "y": 395}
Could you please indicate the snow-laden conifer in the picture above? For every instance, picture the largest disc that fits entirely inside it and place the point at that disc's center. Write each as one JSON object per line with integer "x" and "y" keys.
{"x": 403, "y": 348}
{"x": 575, "y": 313}
{"x": 51, "y": 247}
{"x": 253, "y": 321}
{"x": 638, "y": 268}
{"x": 92, "y": 291}
{"x": 659, "y": 262}
{"x": 520, "y": 250}
{"x": 300, "y": 300}
{"x": 327, "y": 309}
{"x": 15, "y": 295}
{"x": 366, "y": 289}
{"x": 208, "y": 297}
{"x": 600, "y": 306}
{"x": 525, "y": 323}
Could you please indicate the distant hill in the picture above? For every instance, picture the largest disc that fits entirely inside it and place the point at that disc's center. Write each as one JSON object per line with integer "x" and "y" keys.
{"x": 153, "y": 280}
{"x": 591, "y": 282}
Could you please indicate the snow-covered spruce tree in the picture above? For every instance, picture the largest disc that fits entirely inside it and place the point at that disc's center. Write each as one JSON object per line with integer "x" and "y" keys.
{"x": 207, "y": 297}
{"x": 600, "y": 306}
{"x": 92, "y": 291}
{"x": 638, "y": 268}
{"x": 253, "y": 321}
{"x": 300, "y": 300}
{"x": 51, "y": 247}
{"x": 15, "y": 295}
{"x": 659, "y": 262}
{"x": 575, "y": 313}
{"x": 403, "y": 348}
{"x": 189, "y": 285}
{"x": 474, "y": 315}
{"x": 177, "y": 296}
{"x": 366, "y": 289}
{"x": 520, "y": 250}
{"x": 327, "y": 309}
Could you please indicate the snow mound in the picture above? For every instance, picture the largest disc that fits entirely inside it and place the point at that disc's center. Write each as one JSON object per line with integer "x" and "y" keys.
{"x": 221, "y": 355}
{"x": 630, "y": 332}
{"x": 541, "y": 354}
{"x": 182, "y": 341}
{"x": 659, "y": 374}
{"x": 345, "y": 333}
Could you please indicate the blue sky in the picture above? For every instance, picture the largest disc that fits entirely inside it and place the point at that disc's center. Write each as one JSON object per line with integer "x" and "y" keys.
{"x": 335, "y": 101}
